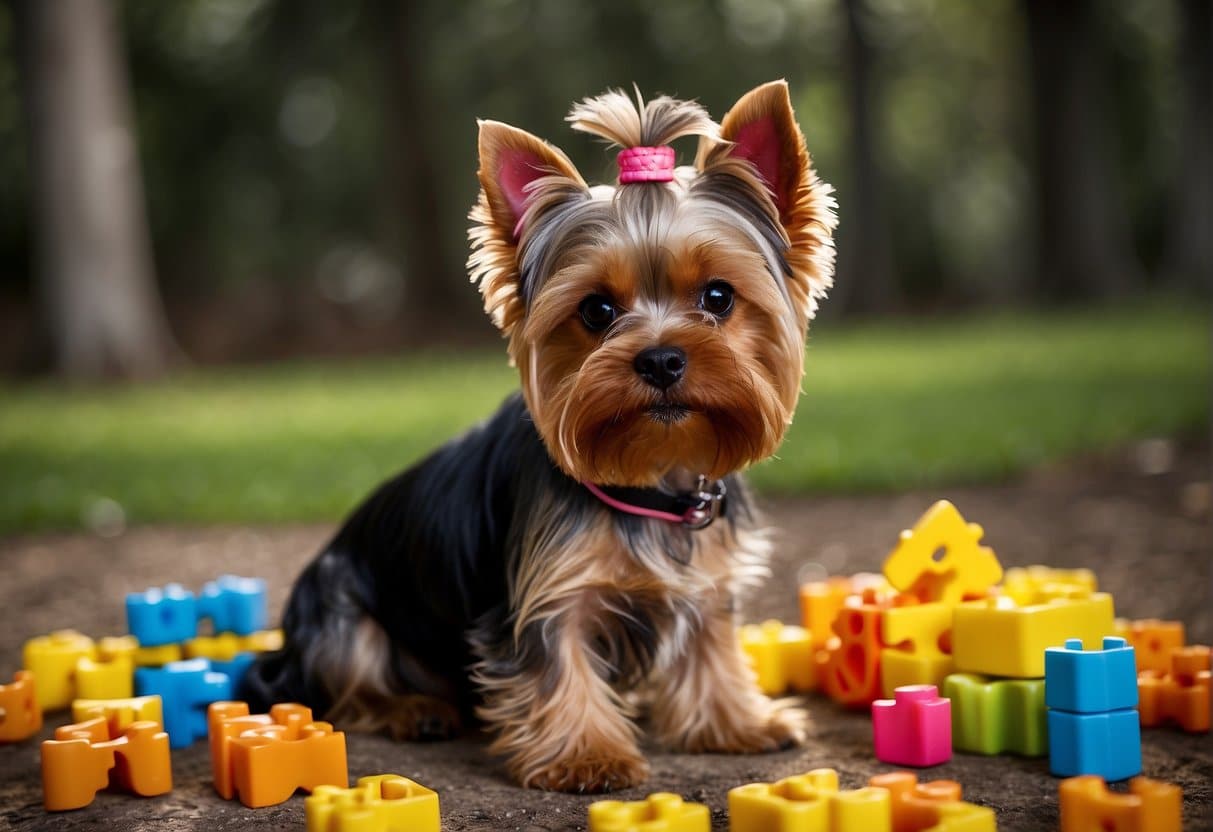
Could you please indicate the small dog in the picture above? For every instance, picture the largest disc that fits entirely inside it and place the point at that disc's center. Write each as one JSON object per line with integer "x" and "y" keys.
{"x": 558, "y": 568}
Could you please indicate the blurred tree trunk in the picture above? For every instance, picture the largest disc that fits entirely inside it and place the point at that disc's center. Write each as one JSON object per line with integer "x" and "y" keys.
{"x": 95, "y": 265}
{"x": 1189, "y": 255}
{"x": 1084, "y": 244}
{"x": 868, "y": 280}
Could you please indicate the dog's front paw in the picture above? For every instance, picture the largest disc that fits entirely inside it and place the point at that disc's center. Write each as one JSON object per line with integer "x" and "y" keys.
{"x": 774, "y": 729}
{"x": 590, "y": 774}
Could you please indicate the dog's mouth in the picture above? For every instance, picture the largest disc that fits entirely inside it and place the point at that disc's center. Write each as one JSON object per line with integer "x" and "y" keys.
{"x": 669, "y": 413}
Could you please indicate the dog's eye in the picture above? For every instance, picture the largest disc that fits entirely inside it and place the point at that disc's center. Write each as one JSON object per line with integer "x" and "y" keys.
{"x": 597, "y": 312}
{"x": 717, "y": 299}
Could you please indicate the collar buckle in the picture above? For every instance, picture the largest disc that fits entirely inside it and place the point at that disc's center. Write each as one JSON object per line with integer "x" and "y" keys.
{"x": 706, "y": 501}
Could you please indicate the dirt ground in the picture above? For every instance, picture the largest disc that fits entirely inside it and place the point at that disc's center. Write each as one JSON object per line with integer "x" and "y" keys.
{"x": 1140, "y": 518}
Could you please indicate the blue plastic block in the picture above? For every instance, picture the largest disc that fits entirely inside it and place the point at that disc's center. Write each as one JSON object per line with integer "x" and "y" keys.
{"x": 1107, "y": 744}
{"x": 235, "y": 668}
{"x": 162, "y": 616}
{"x": 185, "y": 689}
{"x": 1091, "y": 681}
{"x": 234, "y": 604}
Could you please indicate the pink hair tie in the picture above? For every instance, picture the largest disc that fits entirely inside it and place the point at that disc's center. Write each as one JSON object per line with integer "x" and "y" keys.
{"x": 646, "y": 164}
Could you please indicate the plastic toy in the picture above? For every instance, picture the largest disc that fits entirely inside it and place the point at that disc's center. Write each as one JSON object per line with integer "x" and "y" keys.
{"x": 1181, "y": 696}
{"x": 808, "y": 803}
{"x": 915, "y": 729}
{"x": 226, "y": 646}
{"x": 162, "y": 616}
{"x": 1041, "y": 584}
{"x": 931, "y": 807}
{"x": 1153, "y": 641}
{"x": 52, "y": 659}
{"x": 113, "y": 679}
{"x": 1091, "y": 681}
{"x": 119, "y": 713}
{"x": 20, "y": 714}
{"x": 1107, "y": 744}
{"x": 940, "y": 559}
{"x": 234, "y": 669}
{"x": 263, "y": 759}
{"x": 233, "y": 604}
{"x": 917, "y": 650}
{"x": 992, "y": 716}
{"x": 781, "y": 655}
{"x": 660, "y": 812}
{"x": 820, "y": 602}
{"x": 382, "y": 803}
{"x": 185, "y": 688}
{"x": 112, "y": 647}
{"x": 1023, "y": 633}
{"x": 852, "y": 671}
{"x": 85, "y": 758}
{"x": 1150, "y": 806}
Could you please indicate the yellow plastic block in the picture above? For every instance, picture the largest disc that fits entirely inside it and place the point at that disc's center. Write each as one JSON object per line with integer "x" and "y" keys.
{"x": 918, "y": 644}
{"x": 113, "y": 679}
{"x": 660, "y": 812}
{"x": 113, "y": 647}
{"x": 998, "y": 638}
{"x": 263, "y": 641}
{"x": 381, "y": 803}
{"x": 225, "y": 646}
{"x": 1038, "y": 584}
{"x": 52, "y": 659}
{"x": 808, "y": 803}
{"x": 781, "y": 655}
{"x": 964, "y": 817}
{"x": 119, "y": 713}
{"x": 117, "y": 647}
{"x": 940, "y": 558}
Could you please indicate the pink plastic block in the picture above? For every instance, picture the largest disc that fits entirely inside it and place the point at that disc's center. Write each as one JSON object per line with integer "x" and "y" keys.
{"x": 915, "y": 728}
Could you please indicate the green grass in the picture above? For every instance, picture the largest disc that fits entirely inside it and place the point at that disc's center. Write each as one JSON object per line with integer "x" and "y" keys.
{"x": 886, "y": 407}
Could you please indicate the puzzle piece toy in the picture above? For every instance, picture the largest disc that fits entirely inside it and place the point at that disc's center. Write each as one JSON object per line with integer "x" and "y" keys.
{"x": 914, "y": 729}
{"x": 185, "y": 688}
{"x": 1091, "y": 681}
{"x": 1040, "y": 584}
{"x": 380, "y": 803}
{"x": 992, "y": 716}
{"x": 234, "y": 604}
{"x": 808, "y": 803}
{"x": 85, "y": 758}
{"x": 1152, "y": 641}
{"x": 226, "y": 646}
{"x": 113, "y": 679}
{"x": 119, "y": 713}
{"x": 918, "y": 644}
{"x": 20, "y": 713}
{"x": 1107, "y": 744}
{"x": 1022, "y": 634}
{"x": 931, "y": 807}
{"x": 52, "y": 659}
{"x": 112, "y": 647}
{"x": 167, "y": 615}
{"x": 820, "y": 602}
{"x": 660, "y": 812}
{"x": 851, "y": 674}
{"x": 1181, "y": 696}
{"x": 1150, "y": 806}
{"x": 781, "y": 655}
{"x": 964, "y": 570}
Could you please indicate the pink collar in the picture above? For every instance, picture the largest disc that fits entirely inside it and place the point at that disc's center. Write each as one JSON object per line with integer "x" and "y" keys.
{"x": 695, "y": 509}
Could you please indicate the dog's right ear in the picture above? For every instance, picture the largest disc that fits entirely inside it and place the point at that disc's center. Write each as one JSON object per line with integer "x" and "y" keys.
{"x": 520, "y": 176}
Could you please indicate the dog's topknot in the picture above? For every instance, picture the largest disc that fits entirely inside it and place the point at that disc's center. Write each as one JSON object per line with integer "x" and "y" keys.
{"x": 618, "y": 119}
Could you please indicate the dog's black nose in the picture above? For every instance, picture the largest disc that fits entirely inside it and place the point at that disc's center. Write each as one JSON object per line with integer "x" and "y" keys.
{"x": 661, "y": 366}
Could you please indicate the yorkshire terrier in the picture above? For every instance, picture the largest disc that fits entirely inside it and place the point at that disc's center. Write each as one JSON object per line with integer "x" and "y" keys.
{"x": 580, "y": 556}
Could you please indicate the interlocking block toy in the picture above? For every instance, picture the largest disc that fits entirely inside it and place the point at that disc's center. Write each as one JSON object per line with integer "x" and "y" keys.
{"x": 820, "y": 602}
{"x": 52, "y": 659}
{"x": 1039, "y": 584}
{"x": 781, "y": 655}
{"x": 852, "y": 671}
{"x": 186, "y": 688}
{"x": 1107, "y": 744}
{"x": 85, "y": 758}
{"x": 234, "y": 604}
{"x": 162, "y": 616}
{"x": 226, "y": 646}
{"x": 1153, "y": 641}
{"x": 1091, "y": 681}
{"x": 119, "y": 713}
{"x": 236, "y": 668}
{"x": 1181, "y": 696}
{"x": 113, "y": 679}
{"x": 992, "y": 716}
{"x": 660, "y": 812}
{"x": 1150, "y": 806}
{"x": 20, "y": 713}
{"x": 262, "y": 759}
{"x": 381, "y": 803}
{"x": 995, "y": 637}
{"x": 918, "y": 646}
{"x": 931, "y": 807}
{"x": 940, "y": 558}
{"x": 914, "y": 729}
{"x": 808, "y": 803}
{"x": 113, "y": 647}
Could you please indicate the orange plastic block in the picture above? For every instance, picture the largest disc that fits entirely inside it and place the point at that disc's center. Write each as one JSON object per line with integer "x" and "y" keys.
{"x": 20, "y": 713}
{"x": 820, "y": 602}
{"x": 1038, "y": 584}
{"x": 1152, "y": 641}
{"x": 264, "y": 758}
{"x": 381, "y": 803}
{"x": 940, "y": 559}
{"x": 1181, "y": 696}
{"x": 781, "y": 655}
{"x": 660, "y": 812}
{"x": 120, "y": 713}
{"x": 53, "y": 658}
{"x": 112, "y": 679}
{"x": 933, "y": 806}
{"x": 917, "y": 646}
{"x": 852, "y": 671}
{"x": 85, "y": 758}
{"x": 1150, "y": 806}
{"x": 808, "y": 803}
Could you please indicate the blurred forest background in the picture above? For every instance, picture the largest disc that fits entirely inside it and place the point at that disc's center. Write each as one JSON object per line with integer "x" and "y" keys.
{"x": 219, "y": 180}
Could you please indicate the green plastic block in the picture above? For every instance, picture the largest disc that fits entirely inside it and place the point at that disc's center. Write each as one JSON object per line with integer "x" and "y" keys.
{"x": 992, "y": 716}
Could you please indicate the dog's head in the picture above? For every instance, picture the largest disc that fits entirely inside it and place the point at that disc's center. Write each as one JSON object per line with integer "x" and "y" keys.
{"x": 658, "y": 325}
